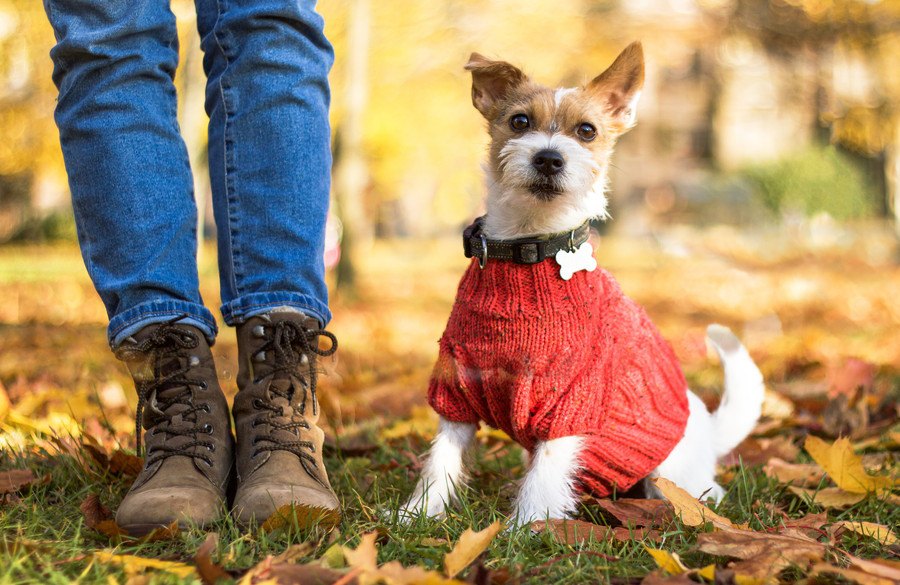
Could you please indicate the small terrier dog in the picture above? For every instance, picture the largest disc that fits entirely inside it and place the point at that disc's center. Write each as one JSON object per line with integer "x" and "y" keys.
{"x": 552, "y": 352}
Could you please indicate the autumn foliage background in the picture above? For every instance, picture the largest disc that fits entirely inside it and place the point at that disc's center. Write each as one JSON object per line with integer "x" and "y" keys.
{"x": 758, "y": 190}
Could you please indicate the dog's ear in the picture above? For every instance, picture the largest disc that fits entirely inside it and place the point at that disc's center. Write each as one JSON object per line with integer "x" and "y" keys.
{"x": 620, "y": 86}
{"x": 491, "y": 82}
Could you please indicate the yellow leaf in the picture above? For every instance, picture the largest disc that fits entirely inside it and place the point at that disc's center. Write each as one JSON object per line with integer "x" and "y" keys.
{"x": 134, "y": 564}
{"x": 829, "y": 497}
{"x": 470, "y": 545}
{"x": 668, "y": 562}
{"x": 301, "y": 516}
{"x": 707, "y": 573}
{"x": 879, "y": 532}
{"x": 845, "y": 467}
{"x": 692, "y": 512}
{"x": 365, "y": 556}
{"x": 423, "y": 422}
{"x": 5, "y": 405}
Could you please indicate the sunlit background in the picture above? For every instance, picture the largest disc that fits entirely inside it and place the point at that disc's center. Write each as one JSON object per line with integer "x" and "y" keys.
{"x": 758, "y": 189}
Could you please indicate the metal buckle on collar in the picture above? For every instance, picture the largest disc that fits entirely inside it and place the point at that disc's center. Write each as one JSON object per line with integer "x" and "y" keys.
{"x": 571, "y": 247}
{"x": 484, "y": 253}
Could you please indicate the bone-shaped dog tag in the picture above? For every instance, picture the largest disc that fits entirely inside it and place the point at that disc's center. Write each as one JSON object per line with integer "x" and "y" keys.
{"x": 572, "y": 262}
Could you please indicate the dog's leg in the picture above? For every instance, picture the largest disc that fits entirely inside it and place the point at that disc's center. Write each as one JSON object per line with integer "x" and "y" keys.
{"x": 548, "y": 490}
{"x": 443, "y": 471}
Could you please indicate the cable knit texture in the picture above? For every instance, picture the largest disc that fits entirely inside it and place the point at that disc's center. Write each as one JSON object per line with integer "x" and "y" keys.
{"x": 541, "y": 358}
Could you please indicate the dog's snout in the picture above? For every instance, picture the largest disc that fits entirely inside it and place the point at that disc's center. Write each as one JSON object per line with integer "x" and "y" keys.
{"x": 548, "y": 162}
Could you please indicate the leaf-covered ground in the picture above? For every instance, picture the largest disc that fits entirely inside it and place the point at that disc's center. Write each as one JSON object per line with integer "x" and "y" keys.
{"x": 817, "y": 308}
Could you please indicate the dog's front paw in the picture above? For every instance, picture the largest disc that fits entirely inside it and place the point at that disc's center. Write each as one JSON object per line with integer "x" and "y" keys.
{"x": 421, "y": 505}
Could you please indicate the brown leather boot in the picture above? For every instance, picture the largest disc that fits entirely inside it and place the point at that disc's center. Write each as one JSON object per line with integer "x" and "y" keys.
{"x": 188, "y": 445}
{"x": 279, "y": 444}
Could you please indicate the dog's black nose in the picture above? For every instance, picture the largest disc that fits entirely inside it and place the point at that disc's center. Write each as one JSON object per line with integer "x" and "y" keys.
{"x": 548, "y": 162}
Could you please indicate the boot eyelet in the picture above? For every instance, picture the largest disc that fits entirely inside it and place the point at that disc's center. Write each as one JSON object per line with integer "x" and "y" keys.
{"x": 211, "y": 448}
{"x": 257, "y": 403}
{"x": 208, "y": 429}
{"x": 204, "y": 385}
{"x": 206, "y": 408}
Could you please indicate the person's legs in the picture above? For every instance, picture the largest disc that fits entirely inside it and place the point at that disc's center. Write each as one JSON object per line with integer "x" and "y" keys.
{"x": 132, "y": 193}
{"x": 269, "y": 152}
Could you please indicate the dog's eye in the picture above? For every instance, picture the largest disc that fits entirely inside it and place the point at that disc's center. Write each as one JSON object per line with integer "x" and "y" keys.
{"x": 586, "y": 132}
{"x": 519, "y": 122}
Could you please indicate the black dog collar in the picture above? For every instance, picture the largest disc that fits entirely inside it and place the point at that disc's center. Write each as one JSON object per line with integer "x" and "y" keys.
{"x": 522, "y": 250}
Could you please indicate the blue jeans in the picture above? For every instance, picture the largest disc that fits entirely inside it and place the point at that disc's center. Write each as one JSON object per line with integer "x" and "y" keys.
{"x": 267, "y": 97}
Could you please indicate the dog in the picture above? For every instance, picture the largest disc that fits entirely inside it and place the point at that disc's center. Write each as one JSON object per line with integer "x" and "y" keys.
{"x": 544, "y": 345}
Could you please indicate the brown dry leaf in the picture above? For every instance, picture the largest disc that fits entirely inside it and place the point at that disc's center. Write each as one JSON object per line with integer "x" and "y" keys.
{"x": 125, "y": 464}
{"x": 209, "y": 571}
{"x": 98, "y": 517}
{"x": 692, "y": 512}
{"x": 468, "y": 547}
{"x": 269, "y": 572}
{"x": 14, "y": 480}
{"x": 365, "y": 556}
{"x": 832, "y": 498}
{"x": 572, "y": 532}
{"x": 630, "y": 534}
{"x": 762, "y": 555}
{"x": 879, "y": 532}
{"x": 757, "y": 451}
{"x": 802, "y": 474}
{"x": 297, "y": 551}
{"x": 809, "y": 526}
{"x": 845, "y": 467}
{"x": 668, "y": 562}
{"x": 860, "y": 577}
{"x": 878, "y": 567}
{"x": 133, "y": 564}
{"x": 302, "y": 517}
{"x": 639, "y": 512}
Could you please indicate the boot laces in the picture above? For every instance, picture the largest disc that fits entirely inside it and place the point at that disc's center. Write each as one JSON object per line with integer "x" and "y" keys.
{"x": 169, "y": 386}
{"x": 290, "y": 343}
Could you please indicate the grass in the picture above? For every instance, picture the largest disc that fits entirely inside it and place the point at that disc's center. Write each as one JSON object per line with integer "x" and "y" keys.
{"x": 826, "y": 305}
{"x": 53, "y": 540}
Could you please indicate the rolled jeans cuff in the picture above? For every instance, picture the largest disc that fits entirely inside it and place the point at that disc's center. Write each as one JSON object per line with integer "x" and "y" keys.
{"x": 136, "y": 318}
{"x": 246, "y": 306}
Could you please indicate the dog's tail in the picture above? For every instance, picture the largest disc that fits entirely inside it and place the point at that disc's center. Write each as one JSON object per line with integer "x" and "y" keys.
{"x": 742, "y": 400}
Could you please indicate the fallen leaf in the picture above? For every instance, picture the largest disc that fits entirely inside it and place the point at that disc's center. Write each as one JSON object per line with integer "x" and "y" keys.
{"x": 879, "y": 567}
{"x": 845, "y": 467}
{"x": 623, "y": 534}
{"x": 879, "y": 532}
{"x": 468, "y": 547}
{"x": 295, "y": 552}
{"x": 268, "y": 572}
{"x": 860, "y": 577}
{"x": 639, "y": 512}
{"x": 758, "y": 451}
{"x": 98, "y": 517}
{"x": 802, "y": 474}
{"x": 302, "y": 517}
{"x": 14, "y": 480}
{"x": 572, "y": 532}
{"x": 364, "y": 556}
{"x": 209, "y": 571}
{"x": 394, "y": 573}
{"x": 668, "y": 562}
{"x": 692, "y": 512}
{"x": 125, "y": 464}
{"x": 763, "y": 555}
{"x": 829, "y": 497}
{"x": 5, "y": 404}
{"x": 133, "y": 564}
{"x": 809, "y": 526}
{"x": 423, "y": 422}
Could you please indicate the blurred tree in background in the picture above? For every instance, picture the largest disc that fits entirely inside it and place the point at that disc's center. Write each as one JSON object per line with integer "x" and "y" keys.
{"x": 732, "y": 86}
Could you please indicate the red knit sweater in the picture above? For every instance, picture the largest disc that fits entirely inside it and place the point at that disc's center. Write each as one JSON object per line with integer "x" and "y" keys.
{"x": 541, "y": 358}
